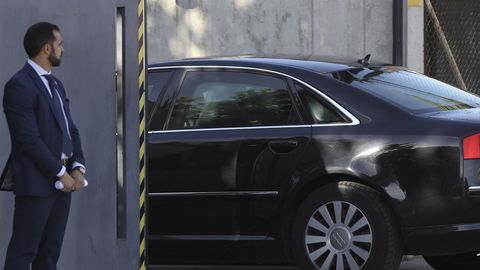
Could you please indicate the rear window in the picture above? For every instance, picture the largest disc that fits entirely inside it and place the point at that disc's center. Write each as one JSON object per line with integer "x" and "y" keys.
{"x": 412, "y": 91}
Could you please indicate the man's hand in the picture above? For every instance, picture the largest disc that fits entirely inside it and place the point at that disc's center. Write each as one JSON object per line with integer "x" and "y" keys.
{"x": 68, "y": 182}
{"x": 79, "y": 179}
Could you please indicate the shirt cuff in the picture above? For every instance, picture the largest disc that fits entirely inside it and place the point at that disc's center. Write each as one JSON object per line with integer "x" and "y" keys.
{"x": 76, "y": 164}
{"x": 61, "y": 172}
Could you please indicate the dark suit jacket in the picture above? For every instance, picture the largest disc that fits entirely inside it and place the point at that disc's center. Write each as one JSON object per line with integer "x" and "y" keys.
{"x": 36, "y": 134}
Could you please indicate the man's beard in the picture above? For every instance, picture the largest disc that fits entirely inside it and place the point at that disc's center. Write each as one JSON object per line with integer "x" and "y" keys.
{"x": 54, "y": 60}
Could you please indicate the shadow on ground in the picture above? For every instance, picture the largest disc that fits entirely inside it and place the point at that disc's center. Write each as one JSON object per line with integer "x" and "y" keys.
{"x": 412, "y": 263}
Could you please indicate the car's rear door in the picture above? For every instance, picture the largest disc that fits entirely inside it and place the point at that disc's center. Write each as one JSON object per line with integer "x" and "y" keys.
{"x": 219, "y": 154}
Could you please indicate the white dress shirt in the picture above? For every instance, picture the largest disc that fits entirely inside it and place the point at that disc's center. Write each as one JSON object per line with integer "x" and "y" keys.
{"x": 40, "y": 71}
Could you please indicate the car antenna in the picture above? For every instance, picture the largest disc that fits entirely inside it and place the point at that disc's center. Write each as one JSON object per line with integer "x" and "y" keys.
{"x": 364, "y": 62}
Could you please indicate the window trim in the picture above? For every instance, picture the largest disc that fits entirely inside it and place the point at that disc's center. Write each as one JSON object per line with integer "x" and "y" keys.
{"x": 186, "y": 68}
{"x": 227, "y": 128}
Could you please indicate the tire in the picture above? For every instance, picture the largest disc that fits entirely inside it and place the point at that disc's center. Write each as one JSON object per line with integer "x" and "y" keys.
{"x": 465, "y": 261}
{"x": 369, "y": 240}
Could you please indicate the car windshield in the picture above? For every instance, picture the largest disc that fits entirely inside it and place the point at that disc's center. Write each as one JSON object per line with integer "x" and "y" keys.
{"x": 412, "y": 91}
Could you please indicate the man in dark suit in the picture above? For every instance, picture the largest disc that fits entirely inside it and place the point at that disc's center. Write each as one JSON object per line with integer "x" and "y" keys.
{"x": 45, "y": 148}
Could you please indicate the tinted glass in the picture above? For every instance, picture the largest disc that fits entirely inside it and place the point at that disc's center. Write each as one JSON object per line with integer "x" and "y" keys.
{"x": 412, "y": 91}
{"x": 215, "y": 99}
{"x": 157, "y": 81}
{"x": 320, "y": 111}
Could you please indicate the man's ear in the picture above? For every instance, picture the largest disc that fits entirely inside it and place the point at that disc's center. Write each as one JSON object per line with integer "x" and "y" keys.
{"x": 46, "y": 48}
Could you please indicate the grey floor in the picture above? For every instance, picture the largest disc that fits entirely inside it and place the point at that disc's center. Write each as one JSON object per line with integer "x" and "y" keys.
{"x": 413, "y": 263}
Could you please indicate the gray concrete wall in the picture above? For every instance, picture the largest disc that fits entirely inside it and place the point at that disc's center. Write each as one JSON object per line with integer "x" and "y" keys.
{"x": 88, "y": 28}
{"x": 197, "y": 28}
{"x": 415, "y": 36}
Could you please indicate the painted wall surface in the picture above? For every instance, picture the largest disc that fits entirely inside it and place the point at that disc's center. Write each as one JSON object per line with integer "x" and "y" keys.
{"x": 88, "y": 72}
{"x": 197, "y": 28}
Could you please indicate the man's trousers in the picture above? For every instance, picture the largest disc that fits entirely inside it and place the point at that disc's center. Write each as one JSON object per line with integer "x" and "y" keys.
{"x": 38, "y": 229}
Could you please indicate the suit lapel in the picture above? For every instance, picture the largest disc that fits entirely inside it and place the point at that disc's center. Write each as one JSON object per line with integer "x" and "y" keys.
{"x": 43, "y": 90}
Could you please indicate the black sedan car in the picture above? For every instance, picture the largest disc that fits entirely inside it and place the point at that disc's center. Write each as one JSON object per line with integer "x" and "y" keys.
{"x": 326, "y": 165}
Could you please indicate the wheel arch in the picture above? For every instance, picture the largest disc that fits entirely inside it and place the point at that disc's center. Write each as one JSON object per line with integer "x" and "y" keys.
{"x": 300, "y": 192}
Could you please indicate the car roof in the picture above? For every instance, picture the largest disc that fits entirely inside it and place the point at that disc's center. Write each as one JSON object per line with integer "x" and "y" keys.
{"x": 318, "y": 65}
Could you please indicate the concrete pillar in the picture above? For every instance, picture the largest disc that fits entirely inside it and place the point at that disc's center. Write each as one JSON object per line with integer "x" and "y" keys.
{"x": 415, "y": 33}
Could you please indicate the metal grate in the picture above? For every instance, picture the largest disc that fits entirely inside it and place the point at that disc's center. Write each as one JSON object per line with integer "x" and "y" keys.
{"x": 460, "y": 22}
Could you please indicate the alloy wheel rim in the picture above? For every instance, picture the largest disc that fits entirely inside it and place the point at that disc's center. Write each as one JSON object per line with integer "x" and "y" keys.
{"x": 338, "y": 236}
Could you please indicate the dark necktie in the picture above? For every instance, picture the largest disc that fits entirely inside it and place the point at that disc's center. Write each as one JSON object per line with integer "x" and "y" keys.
{"x": 59, "y": 114}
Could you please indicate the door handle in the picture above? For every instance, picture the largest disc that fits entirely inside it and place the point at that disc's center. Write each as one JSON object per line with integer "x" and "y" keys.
{"x": 282, "y": 147}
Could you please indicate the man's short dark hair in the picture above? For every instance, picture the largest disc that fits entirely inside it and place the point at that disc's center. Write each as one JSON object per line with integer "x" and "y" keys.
{"x": 38, "y": 35}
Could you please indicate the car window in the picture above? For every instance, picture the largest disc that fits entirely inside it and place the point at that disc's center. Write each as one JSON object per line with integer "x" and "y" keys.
{"x": 216, "y": 99}
{"x": 412, "y": 91}
{"x": 157, "y": 81}
{"x": 320, "y": 111}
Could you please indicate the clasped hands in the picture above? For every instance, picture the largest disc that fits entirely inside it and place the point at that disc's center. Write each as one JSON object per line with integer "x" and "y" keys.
{"x": 74, "y": 181}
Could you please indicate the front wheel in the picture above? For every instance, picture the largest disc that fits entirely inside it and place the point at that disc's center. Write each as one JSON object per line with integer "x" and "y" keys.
{"x": 345, "y": 225}
{"x": 464, "y": 261}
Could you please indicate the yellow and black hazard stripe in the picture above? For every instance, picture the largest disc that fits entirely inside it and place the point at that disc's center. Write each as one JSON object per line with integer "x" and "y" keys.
{"x": 142, "y": 135}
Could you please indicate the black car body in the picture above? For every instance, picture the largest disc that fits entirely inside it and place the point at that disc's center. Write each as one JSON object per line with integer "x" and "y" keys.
{"x": 247, "y": 155}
